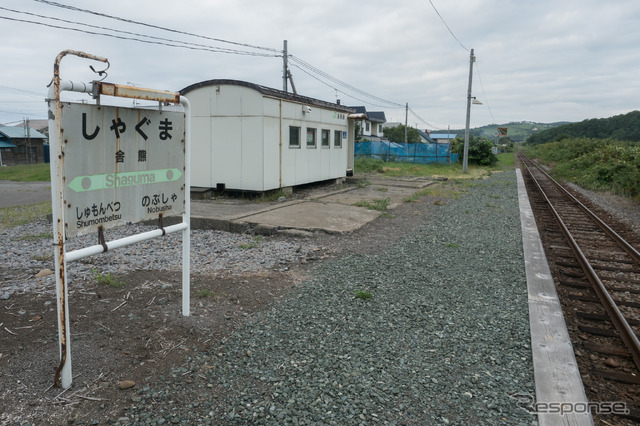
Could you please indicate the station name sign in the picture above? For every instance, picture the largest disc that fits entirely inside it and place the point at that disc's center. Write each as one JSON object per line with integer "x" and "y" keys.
{"x": 120, "y": 165}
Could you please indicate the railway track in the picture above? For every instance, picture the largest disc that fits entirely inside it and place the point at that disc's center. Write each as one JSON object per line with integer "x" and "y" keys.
{"x": 597, "y": 275}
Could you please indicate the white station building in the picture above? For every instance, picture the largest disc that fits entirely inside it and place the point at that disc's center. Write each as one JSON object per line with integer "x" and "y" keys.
{"x": 253, "y": 138}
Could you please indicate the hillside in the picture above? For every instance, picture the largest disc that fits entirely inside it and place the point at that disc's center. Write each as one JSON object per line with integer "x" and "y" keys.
{"x": 516, "y": 131}
{"x": 624, "y": 127}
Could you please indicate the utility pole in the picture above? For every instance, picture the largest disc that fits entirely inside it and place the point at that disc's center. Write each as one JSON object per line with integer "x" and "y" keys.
{"x": 406, "y": 120}
{"x": 465, "y": 158}
{"x": 285, "y": 67}
{"x": 27, "y": 137}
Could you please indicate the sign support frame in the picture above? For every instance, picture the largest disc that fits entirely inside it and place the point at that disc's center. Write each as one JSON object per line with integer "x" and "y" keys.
{"x": 63, "y": 374}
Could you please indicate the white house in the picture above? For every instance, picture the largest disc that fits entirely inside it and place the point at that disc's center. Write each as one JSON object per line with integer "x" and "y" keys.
{"x": 253, "y": 138}
{"x": 371, "y": 123}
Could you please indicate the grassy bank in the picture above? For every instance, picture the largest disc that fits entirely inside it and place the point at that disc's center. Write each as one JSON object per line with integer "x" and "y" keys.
{"x": 595, "y": 164}
{"x": 450, "y": 171}
{"x": 26, "y": 173}
{"x": 20, "y": 215}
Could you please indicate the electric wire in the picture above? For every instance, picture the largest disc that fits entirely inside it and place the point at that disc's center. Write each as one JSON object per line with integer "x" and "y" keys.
{"x": 208, "y": 49}
{"x": 422, "y": 119}
{"x": 297, "y": 62}
{"x": 335, "y": 88}
{"x": 342, "y": 83}
{"x": 445, "y": 24}
{"x": 218, "y": 49}
{"x": 77, "y": 9}
{"x": 484, "y": 94}
{"x": 20, "y": 91}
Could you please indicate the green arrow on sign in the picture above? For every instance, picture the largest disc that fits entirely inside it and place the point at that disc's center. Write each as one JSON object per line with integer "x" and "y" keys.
{"x": 122, "y": 179}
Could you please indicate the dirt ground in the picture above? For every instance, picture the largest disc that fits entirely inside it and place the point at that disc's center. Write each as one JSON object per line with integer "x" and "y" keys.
{"x": 135, "y": 335}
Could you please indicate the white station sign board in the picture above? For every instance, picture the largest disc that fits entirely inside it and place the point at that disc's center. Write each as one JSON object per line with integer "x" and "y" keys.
{"x": 120, "y": 165}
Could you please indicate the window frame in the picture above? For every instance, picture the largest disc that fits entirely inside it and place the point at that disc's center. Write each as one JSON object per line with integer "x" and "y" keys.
{"x": 337, "y": 141}
{"x": 326, "y": 132}
{"x": 299, "y": 133}
{"x": 313, "y": 132}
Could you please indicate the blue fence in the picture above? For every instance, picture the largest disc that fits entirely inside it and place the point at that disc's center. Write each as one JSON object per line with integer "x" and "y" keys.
{"x": 423, "y": 153}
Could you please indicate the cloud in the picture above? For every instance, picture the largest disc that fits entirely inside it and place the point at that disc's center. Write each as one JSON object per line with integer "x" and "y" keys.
{"x": 539, "y": 61}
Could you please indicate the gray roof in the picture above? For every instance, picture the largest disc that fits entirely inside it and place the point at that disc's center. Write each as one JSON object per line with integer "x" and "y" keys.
{"x": 13, "y": 132}
{"x": 377, "y": 116}
{"x": 280, "y": 94}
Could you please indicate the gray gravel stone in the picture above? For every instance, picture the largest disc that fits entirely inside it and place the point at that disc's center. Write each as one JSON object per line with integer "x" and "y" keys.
{"x": 444, "y": 339}
{"x": 28, "y": 249}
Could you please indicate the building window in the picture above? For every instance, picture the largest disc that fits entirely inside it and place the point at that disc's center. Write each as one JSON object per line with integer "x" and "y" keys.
{"x": 325, "y": 138}
{"x": 311, "y": 138}
{"x": 379, "y": 129}
{"x": 367, "y": 128}
{"x": 294, "y": 137}
{"x": 337, "y": 139}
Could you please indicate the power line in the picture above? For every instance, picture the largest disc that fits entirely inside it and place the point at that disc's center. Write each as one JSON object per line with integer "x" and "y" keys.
{"x": 209, "y": 49}
{"x": 77, "y": 9}
{"x": 445, "y": 24}
{"x": 342, "y": 83}
{"x": 422, "y": 119}
{"x": 21, "y": 91}
{"x": 484, "y": 94}
{"x": 300, "y": 64}
{"x": 206, "y": 47}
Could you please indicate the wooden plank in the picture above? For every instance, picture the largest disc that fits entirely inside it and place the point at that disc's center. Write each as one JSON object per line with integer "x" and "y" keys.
{"x": 556, "y": 373}
{"x": 606, "y": 349}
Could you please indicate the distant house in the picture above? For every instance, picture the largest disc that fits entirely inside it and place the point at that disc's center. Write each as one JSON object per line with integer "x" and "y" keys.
{"x": 371, "y": 123}
{"x": 443, "y": 137}
{"x": 425, "y": 138}
{"x": 40, "y": 125}
{"x": 20, "y": 145}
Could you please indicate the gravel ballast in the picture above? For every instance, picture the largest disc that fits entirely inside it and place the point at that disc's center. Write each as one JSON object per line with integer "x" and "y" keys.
{"x": 434, "y": 330}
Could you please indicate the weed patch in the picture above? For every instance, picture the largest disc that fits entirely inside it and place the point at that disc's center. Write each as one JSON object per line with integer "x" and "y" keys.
{"x": 35, "y": 237}
{"x": 380, "y": 205}
{"x": 363, "y": 295}
{"x": 19, "y": 215}
{"x": 107, "y": 279}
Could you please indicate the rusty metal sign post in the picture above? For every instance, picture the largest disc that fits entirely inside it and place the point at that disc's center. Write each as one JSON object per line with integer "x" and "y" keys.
{"x": 111, "y": 166}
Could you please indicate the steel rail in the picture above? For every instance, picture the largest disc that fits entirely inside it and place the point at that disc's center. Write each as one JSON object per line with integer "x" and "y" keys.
{"x": 613, "y": 234}
{"x": 625, "y": 331}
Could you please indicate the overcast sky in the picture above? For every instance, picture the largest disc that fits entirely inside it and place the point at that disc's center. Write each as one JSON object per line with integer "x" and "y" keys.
{"x": 542, "y": 61}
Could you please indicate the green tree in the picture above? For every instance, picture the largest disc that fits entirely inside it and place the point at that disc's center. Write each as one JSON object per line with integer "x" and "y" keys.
{"x": 357, "y": 132}
{"x": 479, "y": 150}
{"x": 396, "y": 134}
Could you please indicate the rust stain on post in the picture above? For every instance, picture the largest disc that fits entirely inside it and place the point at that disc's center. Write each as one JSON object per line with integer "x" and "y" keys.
{"x": 131, "y": 92}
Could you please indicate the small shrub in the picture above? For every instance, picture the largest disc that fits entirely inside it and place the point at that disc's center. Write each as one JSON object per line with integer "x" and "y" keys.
{"x": 364, "y": 295}
{"x": 107, "y": 279}
{"x": 204, "y": 293}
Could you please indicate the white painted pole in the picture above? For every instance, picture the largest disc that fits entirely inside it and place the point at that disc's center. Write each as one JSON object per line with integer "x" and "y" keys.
{"x": 186, "y": 216}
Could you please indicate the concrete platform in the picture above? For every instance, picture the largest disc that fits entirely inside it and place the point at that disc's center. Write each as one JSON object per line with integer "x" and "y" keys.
{"x": 322, "y": 210}
{"x": 555, "y": 368}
